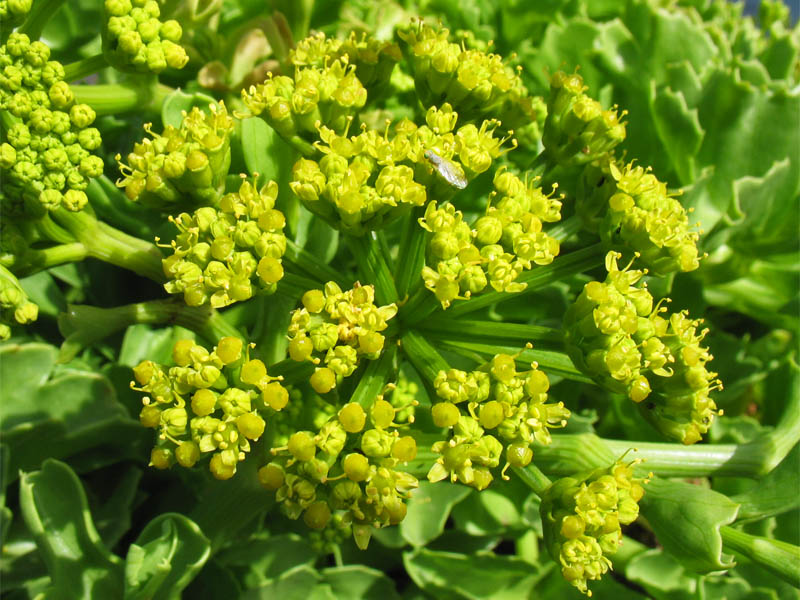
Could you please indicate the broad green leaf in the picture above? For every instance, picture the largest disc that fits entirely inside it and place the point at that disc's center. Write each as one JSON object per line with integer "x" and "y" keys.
{"x": 265, "y": 559}
{"x": 428, "y": 510}
{"x": 142, "y": 342}
{"x": 492, "y": 511}
{"x": 679, "y": 129}
{"x": 54, "y": 507}
{"x": 301, "y": 583}
{"x": 166, "y": 556}
{"x": 179, "y": 102}
{"x": 780, "y": 55}
{"x": 50, "y": 411}
{"x": 265, "y": 152}
{"x": 358, "y": 582}
{"x": 113, "y": 517}
{"x": 661, "y": 575}
{"x": 687, "y": 519}
{"x": 451, "y": 575}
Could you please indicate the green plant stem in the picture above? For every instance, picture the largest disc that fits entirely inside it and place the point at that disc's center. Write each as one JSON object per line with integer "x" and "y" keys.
{"x": 41, "y": 11}
{"x": 539, "y": 164}
{"x": 533, "y": 478}
{"x": 35, "y": 260}
{"x": 562, "y": 267}
{"x": 443, "y": 328}
{"x": 413, "y": 242}
{"x": 142, "y": 94}
{"x": 777, "y": 557}
{"x": 294, "y": 286}
{"x": 84, "y": 67}
{"x": 373, "y": 266}
{"x": 112, "y": 207}
{"x": 375, "y": 378}
{"x": 565, "y": 229}
{"x": 306, "y": 149}
{"x": 421, "y": 305}
{"x": 50, "y": 231}
{"x": 111, "y": 245}
{"x": 422, "y": 355}
{"x": 552, "y": 362}
{"x": 292, "y": 371}
{"x": 310, "y": 264}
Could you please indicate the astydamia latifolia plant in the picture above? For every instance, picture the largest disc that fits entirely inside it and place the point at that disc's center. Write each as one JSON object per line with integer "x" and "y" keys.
{"x": 394, "y": 287}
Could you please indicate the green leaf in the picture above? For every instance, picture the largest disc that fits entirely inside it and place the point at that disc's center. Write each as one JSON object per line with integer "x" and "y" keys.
{"x": 113, "y": 518}
{"x": 687, "y": 519}
{"x": 661, "y": 575}
{"x": 428, "y": 510}
{"x": 774, "y": 494}
{"x": 54, "y": 507}
{"x": 779, "y": 558}
{"x": 448, "y": 575}
{"x": 51, "y": 411}
{"x": 357, "y": 582}
{"x": 488, "y": 512}
{"x": 266, "y": 559}
{"x": 178, "y": 102}
{"x": 679, "y": 130}
{"x": 166, "y": 556}
{"x": 265, "y": 152}
{"x": 300, "y": 583}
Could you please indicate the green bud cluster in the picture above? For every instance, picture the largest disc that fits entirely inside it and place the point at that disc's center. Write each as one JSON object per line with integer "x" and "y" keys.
{"x": 367, "y": 180}
{"x": 577, "y": 130}
{"x": 231, "y": 253}
{"x": 349, "y": 471}
{"x": 500, "y": 245}
{"x": 615, "y": 334}
{"x": 476, "y": 83}
{"x": 13, "y": 12}
{"x": 628, "y": 206}
{"x": 207, "y": 403}
{"x": 374, "y": 59}
{"x": 184, "y": 166}
{"x": 338, "y": 328}
{"x": 511, "y": 404}
{"x": 330, "y": 94}
{"x": 136, "y": 40}
{"x": 14, "y": 304}
{"x": 582, "y": 517}
{"x": 46, "y": 157}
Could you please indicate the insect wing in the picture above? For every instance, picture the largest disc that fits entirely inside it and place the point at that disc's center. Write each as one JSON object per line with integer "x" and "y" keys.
{"x": 447, "y": 170}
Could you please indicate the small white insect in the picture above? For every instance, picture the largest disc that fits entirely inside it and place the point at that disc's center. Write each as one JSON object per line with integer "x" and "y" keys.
{"x": 451, "y": 173}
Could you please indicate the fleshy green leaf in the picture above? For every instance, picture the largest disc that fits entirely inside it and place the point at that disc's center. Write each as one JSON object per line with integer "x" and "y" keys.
{"x": 451, "y": 575}
{"x": 166, "y": 556}
{"x": 54, "y": 507}
{"x": 687, "y": 519}
{"x": 359, "y": 583}
{"x": 179, "y": 102}
{"x": 774, "y": 494}
{"x": 428, "y": 510}
{"x": 269, "y": 558}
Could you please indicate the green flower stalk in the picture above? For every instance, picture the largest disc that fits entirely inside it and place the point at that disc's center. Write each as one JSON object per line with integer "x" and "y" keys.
{"x": 498, "y": 398}
{"x": 477, "y": 84}
{"x": 373, "y": 59}
{"x": 577, "y": 130}
{"x": 338, "y": 328}
{"x": 183, "y": 167}
{"x": 209, "y": 403}
{"x": 365, "y": 181}
{"x": 136, "y": 40}
{"x": 15, "y": 308}
{"x": 348, "y": 471}
{"x": 507, "y": 240}
{"x": 46, "y": 150}
{"x": 231, "y": 253}
{"x": 14, "y": 12}
{"x": 582, "y": 517}
{"x": 616, "y": 335}
{"x": 629, "y": 207}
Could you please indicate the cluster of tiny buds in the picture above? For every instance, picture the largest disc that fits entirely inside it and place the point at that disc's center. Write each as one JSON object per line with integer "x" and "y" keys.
{"x": 350, "y": 468}
{"x": 615, "y": 334}
{"x": 229, "y": 395}
{"x": 15, "y": 307}
{"x": 231, "y": 253}
{"x": 505, "y": 241}
{"x": 46, "y": 158}
{"x": 498, "y": 398}
{"x": 338, "y": 328}
{"x": 135, "y": 39}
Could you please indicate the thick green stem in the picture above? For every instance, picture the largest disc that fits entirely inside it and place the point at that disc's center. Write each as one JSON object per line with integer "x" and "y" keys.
{"x": 412, "y": 251}
{"x": 777, "y": 557}
{"x": 84, "y": 67}
{"x": 421, "y": 305}
{"x": 40, "y": 14}
{"x": 565, "y": 229}
{"x": 538, "y": 277}
{"x": 375, "y": 378}
{"x": 306, "y": 149}
{"x": 423, "y": 356}
{"x": 533, "y": 478}
{"x": 539, "y": 164}
{"x": 310, "y": 264}
{"x": 294, "y": 286}
{"x": 144, "y": 94}
{"x": 373, "y": 266}
{"x": 111, "y": 245}
{"x": 34, "y": 261}
{"x": 84, "y": 325}
{"x": 443, "y": 328}
{"x": 112, "y": 207}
